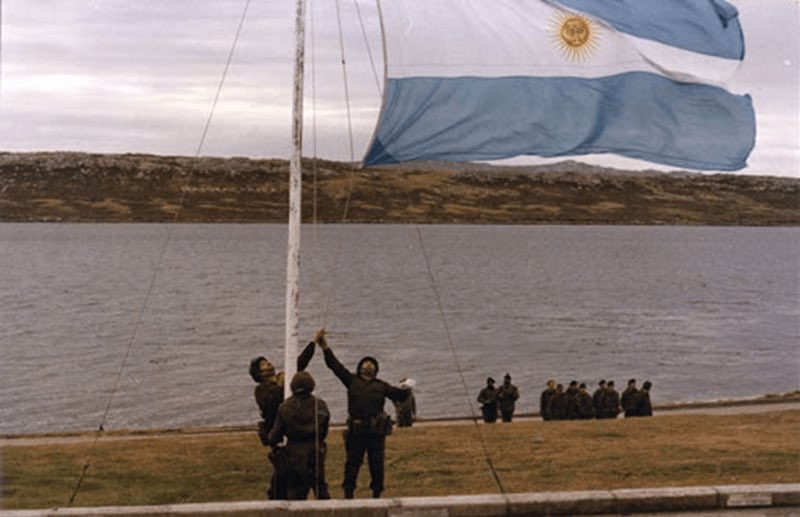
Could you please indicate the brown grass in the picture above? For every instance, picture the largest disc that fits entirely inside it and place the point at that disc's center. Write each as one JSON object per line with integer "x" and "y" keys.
{"x": 147, "y": 188}
{"x": 676, "y": 450}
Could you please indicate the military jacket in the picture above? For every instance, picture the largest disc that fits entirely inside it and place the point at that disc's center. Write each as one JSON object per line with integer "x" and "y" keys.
{"x": 365, "y": 398}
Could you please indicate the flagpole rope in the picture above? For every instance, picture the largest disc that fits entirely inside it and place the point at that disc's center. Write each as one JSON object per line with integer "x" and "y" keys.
{"x": 344, "y": 76}
{"x": 369, "y": 49}
{"x": 314, "y": 233}
{"x": 152, "y": 282}
{"x": 351, "y": 173}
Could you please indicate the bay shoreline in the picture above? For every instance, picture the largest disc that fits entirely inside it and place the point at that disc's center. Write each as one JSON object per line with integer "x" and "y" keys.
{"x": 768, "y": 402}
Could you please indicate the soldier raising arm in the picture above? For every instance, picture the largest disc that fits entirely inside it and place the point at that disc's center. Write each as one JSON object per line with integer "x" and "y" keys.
{"x": 367, "y": 422}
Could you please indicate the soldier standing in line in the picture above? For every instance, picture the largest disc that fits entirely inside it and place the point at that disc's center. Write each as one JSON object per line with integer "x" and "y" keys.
{"x": 487, "y": 398}
{"x": 269, "y": 395}
{"x": 507, "y": 396}
{"x": 583, "y": 402}
{"x": 571, "y": 393}
{"x": 610, "y": 401}
{"x": 557, "y": 408}
{"x": 544, "y": 399}
{"x": 597, "y": 397}
{"x": 627, "y": 398}
{"x": 367, "y": 422}
{"x": 303, "y": 419}
{"x": 641, "y": 401}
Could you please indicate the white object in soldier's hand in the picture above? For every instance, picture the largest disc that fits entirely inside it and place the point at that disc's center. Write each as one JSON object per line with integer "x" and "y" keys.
{"x": 407, "y": 383}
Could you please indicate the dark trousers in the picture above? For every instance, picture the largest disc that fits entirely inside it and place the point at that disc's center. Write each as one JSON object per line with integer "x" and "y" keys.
{"x": 404, "y": 419}
{"x": 301, "y": 470}
{"x": 507, "y": 414}
{"x": 489, "y": 413}
{"x": 357, "y": 443}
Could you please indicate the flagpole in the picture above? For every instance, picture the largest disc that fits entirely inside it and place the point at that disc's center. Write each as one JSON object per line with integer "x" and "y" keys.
{"x": 295, "y": 202}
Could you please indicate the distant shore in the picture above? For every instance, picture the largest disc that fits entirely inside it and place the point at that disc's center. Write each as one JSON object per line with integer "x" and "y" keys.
{"x": 80, "y": 187}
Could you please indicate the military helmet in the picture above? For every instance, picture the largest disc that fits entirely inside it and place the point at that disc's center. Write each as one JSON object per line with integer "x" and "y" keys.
{"x": 302, "y": 382}
{"x": 255, "y": 372}
{"x": 364, "y": 360}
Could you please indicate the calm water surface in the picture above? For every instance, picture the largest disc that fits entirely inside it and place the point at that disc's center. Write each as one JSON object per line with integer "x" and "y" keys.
{"x": 91, "y": 310}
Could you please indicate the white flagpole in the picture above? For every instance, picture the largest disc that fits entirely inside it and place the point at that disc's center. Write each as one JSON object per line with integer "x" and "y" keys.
{"x": 295, "y": 201}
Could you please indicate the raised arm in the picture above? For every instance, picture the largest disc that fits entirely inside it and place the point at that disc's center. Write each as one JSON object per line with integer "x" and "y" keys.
{"x": 305, "y": 356}
{"x": 331, "y": 361}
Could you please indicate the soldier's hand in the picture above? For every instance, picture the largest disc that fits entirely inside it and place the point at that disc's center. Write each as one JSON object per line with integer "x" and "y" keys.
{"x": 319, "y": 338}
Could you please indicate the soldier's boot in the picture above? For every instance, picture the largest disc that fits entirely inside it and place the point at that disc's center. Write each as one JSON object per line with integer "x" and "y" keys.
{"x": 348, "y": 493}
{"x": 376, "y": 494}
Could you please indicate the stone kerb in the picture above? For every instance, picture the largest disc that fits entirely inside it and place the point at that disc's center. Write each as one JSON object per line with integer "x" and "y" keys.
{"x": 562, "y": 503}
{"x": 622, "y": 501}
{"x": 632, "y": 500}
{"x": 753, "y": 496}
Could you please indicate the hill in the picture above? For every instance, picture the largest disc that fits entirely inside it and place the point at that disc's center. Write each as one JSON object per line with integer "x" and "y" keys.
{"x": 80, "y": 187}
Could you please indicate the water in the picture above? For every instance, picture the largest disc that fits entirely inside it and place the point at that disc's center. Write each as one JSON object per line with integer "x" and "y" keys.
{"x": 89, "y": 310}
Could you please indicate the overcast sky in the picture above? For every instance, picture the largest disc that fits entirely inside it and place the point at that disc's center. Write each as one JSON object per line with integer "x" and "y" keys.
{"x": 116, "y": 76}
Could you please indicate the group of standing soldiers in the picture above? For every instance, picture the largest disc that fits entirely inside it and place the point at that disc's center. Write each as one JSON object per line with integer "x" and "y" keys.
{"x": 299, "y": 466}
{"x": 575, "y": 403}
{"x": 503, "y": 399}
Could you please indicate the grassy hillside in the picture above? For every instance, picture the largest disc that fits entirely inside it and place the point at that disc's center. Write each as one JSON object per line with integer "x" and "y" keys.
{"x": 75, "y": 187}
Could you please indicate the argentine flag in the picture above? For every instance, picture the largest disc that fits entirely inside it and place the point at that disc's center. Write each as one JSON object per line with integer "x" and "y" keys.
{"x": 490, "y": 79}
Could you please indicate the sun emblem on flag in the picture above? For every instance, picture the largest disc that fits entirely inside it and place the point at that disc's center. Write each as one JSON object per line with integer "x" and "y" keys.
{"x": 575, "y": 36}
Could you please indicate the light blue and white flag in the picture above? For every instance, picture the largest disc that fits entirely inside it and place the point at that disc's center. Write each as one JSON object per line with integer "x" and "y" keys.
{"x": 489, "y": 79}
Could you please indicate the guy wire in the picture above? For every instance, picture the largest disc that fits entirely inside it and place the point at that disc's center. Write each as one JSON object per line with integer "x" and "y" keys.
{"x": 486, "y": 454}
{"x": 162, "y": 252}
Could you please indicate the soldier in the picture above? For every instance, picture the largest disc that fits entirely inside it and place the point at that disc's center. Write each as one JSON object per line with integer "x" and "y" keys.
{"x": 507, "y": 396}
{"x": 641, "y": 402}
{"x": 544, "y": 399}
{"x": 487, "y": 398}
{"x": 571, "y": 393}
{"x": 303, "y": 419}
{"x": 597, "y": 396}
{"x": 406, "y": 410}
{"x": 627, "y": 398}
{"x": 367, "y": 423}
{"x": 269, "y": 395}
{"x": 609, "y": 402}
{"x": 558, "y": 404}
{"x": 583, "y": 403}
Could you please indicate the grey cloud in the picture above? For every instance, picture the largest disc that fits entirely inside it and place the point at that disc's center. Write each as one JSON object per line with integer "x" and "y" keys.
{"x": 147, "y": 72}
